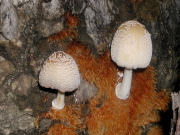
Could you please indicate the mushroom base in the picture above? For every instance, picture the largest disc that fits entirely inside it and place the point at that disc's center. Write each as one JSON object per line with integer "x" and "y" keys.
{"x": 120, "y": 95}
{"x": 58, "y": 103}
{"x": 56, "y": 106}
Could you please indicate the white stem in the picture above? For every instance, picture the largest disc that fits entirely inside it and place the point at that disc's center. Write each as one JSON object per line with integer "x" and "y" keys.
{"x": 123, "y": 89}
{"x": 58, "y": 103}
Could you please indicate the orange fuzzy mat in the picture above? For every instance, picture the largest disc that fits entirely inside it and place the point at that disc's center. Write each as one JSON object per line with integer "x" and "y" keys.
{"x": 115, "y": 116}
{"x": 108, "y": 114}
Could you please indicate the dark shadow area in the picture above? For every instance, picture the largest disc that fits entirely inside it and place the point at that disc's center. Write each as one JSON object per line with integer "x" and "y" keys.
{"x": 54, "y": 91}
{"x": 166, "y": 120}
{"x": 47, "y": 90}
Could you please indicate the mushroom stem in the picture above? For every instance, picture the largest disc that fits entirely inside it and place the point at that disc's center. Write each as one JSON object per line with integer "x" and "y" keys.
{"x": 123, "y": 89}
{"x": 58, "y": 102}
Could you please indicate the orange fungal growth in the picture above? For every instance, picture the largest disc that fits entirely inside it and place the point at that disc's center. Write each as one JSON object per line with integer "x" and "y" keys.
{"x": 67, "y": 33}
{"x": 115, "y": 116}
{"x": 108, "y": 114}
{"x": 62, "y": 35}
{"x": 69, "y": 114}
{"x": 156, "y": 130}
{"x": 59, "y": 129}
{"x": 72, "y": 21}
{"x": 69, "y": 118}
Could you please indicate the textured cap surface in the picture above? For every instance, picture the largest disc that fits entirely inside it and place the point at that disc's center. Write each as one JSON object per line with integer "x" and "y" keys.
{"x": 132, "y": 46}
{"x": 60, "y": 72}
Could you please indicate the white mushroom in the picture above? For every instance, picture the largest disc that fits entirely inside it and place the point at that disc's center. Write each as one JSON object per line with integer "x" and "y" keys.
{"x": 131, "y": 48}
{"x": 60, "y": 72}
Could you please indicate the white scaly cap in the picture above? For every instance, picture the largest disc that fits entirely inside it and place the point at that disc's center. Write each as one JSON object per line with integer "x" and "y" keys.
{"x": 131, "y": 46}
{"x": 60, "y": 72}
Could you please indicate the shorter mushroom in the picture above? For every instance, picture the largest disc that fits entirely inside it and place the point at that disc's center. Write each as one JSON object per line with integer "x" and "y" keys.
{"x": 60, "y": 72}
{"x": 131, "y": 48}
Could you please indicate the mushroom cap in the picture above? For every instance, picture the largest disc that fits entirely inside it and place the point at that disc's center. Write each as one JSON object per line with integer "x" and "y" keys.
{"x": 60, "y": 72}
{"x": 131, "y": 46}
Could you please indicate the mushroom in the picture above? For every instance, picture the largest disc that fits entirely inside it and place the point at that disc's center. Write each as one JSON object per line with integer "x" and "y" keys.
{"x": 131, "y": 48}
{"x": 60, "y": 72}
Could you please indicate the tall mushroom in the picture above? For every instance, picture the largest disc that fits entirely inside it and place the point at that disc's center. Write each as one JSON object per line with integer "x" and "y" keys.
{"x": 131, "y": 48}
{"x": 60, "y": 72}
